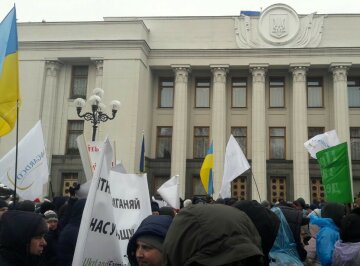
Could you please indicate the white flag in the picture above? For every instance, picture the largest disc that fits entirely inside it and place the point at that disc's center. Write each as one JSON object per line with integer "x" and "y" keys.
{"x": 98, "y": 238}
{"x": 169, "y": 191}
{"x": 235, "y": 164}
{"x": 321, "y": 142}
{"x": 32, "y": 168}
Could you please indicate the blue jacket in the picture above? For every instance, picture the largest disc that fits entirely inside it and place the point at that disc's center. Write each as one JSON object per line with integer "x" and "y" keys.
{"x": 325, "y": 239}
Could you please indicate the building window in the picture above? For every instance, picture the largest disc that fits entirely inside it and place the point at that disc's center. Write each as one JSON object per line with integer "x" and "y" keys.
{"x": 277, "y": 143}
{"x": 277, "y": 92}
{"x": 202, "y": 93}
{"x": 164, "y": 136}
{"x": 313, "y": 131}
{"x": 69, "y": 180}
{"x": 79, "y": 78}
{"x": 355, "y": 143}
{"x": 353, "y": 91}
{"x": 158, "y": 182}
{"x": 277, "y": 188}
{"x": 238, "y": 86}
{"x": 240, "y": 134}
{"x": 197, "y": 188}
{"x": 166, "y": 93}
{"x": 239, "y": 188}
{"x": 315, "y": 92}
{"x": 201, "y": 141}
{"x": 317, "y": 190}
{"x": 75, "y": 128}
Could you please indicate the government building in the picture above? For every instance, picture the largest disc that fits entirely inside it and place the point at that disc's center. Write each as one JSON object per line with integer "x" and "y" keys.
{"x": 272, "y": 79}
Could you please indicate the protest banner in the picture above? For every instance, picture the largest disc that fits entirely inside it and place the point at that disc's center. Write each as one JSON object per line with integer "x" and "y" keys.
{"x": 169, "y": 191}
{"x": 335, "y": 173}
{"x": 321, "y": 142}
{"x": 131, "y": 203}
{"x": 32, "y": 168}
{"x": 115, "y": 206}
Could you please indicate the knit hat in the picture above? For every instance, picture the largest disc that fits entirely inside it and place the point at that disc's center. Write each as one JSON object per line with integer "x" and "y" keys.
{"x": 335, "y": 211}
{"x": 50, "y": 216}
{"x": 152, "y": 240}
{"x": 350, "y": 227}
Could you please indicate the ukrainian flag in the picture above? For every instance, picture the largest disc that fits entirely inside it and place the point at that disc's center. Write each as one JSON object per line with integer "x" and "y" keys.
{"x": 9, "y": 73}
{"x": 206, "y": 173}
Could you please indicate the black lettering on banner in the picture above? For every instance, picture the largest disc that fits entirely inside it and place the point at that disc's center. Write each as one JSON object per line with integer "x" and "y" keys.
{"x": 99, "y": 226}
{"x": 92, "y": 224}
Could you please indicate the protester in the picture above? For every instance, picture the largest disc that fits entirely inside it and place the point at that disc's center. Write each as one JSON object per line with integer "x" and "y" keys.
{"x": 265, "y": 221}
{"x": 68, "y": 235}
{"x": 26, "y": 205}
{"x": 3, "y": 208}
{"x": 166, "y": 210}
{"x": 311, "y": 258}
{"x": 331, "y": 215}
{"x": 187, "y": 202}
{"x": 212, "y": 234}
{"x": 284, "y": 251}
{"x": 347, "y": 250}
{"x": 22, "y": 238}
{"x": 51, "y": 237}
{"x": 145, "y": 246}
{"x": 155, "y": 208}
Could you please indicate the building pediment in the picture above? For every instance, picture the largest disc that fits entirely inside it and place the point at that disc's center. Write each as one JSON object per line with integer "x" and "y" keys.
{"x": 279, "y": 26}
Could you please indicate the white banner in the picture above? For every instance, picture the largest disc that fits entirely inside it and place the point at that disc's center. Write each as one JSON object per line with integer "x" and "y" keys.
{"x": 131, "y": 203}
{"x": 109, "y": 220}
{"x": 235, "y": 164}
{"x": 169, "y": 191}
{"x": 32, "y": 168}
{"x": 321, "y": 142}
{"x": 94, "y": 149}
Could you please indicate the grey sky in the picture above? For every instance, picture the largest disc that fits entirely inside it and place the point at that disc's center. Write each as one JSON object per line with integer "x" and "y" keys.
{"x": 85, "y": 10}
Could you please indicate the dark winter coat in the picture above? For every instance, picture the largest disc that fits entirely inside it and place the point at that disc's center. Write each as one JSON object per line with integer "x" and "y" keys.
{"x": 212, "y": 235}
{"x": 156, "y": 225}
{"x": 265, "y": 221}
{"x": 18, "y": 227}
{"x": 68, "y": 235}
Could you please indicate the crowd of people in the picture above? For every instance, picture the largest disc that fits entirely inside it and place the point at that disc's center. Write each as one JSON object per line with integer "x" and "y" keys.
{"x": 202, "y": 232}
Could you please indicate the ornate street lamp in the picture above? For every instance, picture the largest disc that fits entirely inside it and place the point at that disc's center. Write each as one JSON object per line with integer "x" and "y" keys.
{"x": 97, "y": 114}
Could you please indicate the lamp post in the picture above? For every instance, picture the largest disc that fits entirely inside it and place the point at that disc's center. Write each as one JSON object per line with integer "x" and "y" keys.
{"x": 97, "y": 114}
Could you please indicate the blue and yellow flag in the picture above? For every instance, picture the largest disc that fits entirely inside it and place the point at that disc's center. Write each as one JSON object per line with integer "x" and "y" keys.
{"x": 9, "y": 73}
{"x": 206, "y": 172}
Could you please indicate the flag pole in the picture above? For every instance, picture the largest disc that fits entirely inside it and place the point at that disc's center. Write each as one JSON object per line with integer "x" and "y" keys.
{"x": 257, "y": 189}
{"x": 16, "y": 151}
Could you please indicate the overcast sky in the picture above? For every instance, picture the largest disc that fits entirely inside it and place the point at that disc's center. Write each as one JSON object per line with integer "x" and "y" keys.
{"x": 87, "y": 10}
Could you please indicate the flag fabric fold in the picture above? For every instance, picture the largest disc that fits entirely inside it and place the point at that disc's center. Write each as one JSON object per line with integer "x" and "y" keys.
{"x": 142, "y": 156}
{"x": 169, "y": 191}
{"x": 235, "y": 164}
{"x": 321, "y": 142}
{"x": 9, "y": 76}
{"x": 206, "y": 172}
{"x": 335, "y": 173}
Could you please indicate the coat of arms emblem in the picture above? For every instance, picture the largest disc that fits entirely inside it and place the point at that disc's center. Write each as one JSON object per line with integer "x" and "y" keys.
{"x": 279, "y": 25}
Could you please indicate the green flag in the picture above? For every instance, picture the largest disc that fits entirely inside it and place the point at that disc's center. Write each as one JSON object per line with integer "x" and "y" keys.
{"x": 335, "y": 172}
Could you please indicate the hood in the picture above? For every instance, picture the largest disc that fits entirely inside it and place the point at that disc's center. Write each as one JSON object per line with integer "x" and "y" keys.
{"x": 155, "y": 225}
{"x": 211, "y": 234}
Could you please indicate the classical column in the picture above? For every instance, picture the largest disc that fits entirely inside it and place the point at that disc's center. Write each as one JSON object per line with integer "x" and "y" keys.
{"x": 218, "y": 123}
{"x": 258, "y": 158}
{"x": 341, "y": 105}
{"x": 299, "y": 129}
{"x": 99, "y": 72}
{"x": 49, "y": 104}
{"x": 180, "y": 125}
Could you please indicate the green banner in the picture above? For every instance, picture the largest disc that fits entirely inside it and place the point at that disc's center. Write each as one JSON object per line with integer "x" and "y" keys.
{"x": 335, "y": 172}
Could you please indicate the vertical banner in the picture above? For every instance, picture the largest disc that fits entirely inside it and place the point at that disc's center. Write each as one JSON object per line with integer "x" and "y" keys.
{"x": 131, "y": 203}
{"x": 335, "y": 172}
{"x": 98, "y": 239}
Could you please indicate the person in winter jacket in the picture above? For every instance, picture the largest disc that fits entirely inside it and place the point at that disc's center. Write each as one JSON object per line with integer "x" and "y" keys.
{"x": 212, "y": 235}
{"x": 347, "y": 250}
{"x": 145, "y": 246}
{"x": 331, "y": 215}
{"x": 51, "y": 237}
{"x": 284, "y": 251}
{"x": 22, "y": 238}
{"x": 68, "y": 235}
